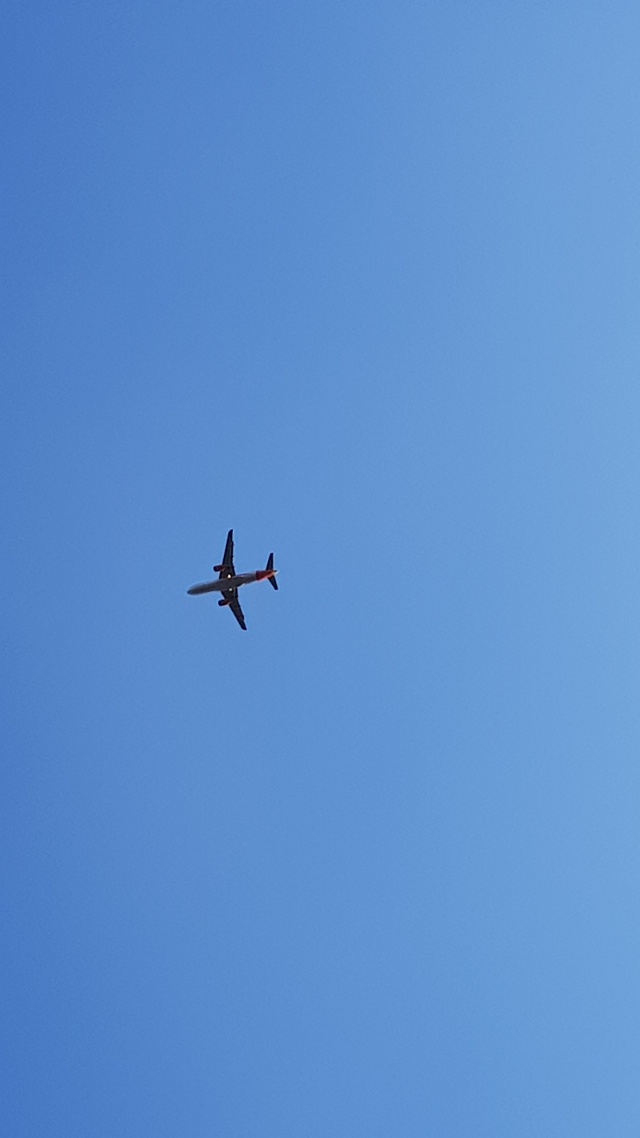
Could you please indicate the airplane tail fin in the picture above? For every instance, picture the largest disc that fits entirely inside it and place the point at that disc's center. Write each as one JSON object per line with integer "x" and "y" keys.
{"x": 271, "y": 580}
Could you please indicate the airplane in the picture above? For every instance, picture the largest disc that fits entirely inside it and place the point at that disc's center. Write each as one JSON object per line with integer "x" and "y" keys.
{"x": 229, "y": 581}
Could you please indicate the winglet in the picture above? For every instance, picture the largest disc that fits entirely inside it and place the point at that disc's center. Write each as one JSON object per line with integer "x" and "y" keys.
{"x": 271, "y": 580}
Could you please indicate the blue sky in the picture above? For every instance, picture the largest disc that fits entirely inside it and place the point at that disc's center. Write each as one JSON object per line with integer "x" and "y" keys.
{"x": 361, "y": 281}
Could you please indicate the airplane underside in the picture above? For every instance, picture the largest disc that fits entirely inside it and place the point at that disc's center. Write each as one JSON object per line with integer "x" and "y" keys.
{"x": 229, "y": 581}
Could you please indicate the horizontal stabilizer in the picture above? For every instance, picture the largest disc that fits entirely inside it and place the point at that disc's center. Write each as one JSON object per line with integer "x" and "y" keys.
{"x": 272, "y": 580}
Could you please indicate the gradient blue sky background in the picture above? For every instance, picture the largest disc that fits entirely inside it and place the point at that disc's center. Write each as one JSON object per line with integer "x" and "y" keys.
{"x": 360, "y": 280}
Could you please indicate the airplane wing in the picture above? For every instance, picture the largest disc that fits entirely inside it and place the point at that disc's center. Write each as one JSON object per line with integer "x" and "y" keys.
{"x": 231, "y": 595}
{"x": 227, "y": 569}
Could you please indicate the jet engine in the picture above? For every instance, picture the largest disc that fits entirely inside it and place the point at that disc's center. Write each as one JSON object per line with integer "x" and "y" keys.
{"x": 222, "y": 603}
{"x": 218, "y": 568}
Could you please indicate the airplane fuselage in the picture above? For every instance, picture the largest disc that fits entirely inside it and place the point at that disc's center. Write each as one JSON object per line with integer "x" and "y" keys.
{"x": 236, "y": 582}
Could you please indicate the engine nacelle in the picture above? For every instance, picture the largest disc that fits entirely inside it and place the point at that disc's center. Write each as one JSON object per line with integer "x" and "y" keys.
{"x": 223, "y": 603}
{"x": 218, "y": 568}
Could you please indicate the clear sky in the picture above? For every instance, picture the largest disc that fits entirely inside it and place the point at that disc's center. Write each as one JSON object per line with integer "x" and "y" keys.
{"x": 362, "y": 280}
